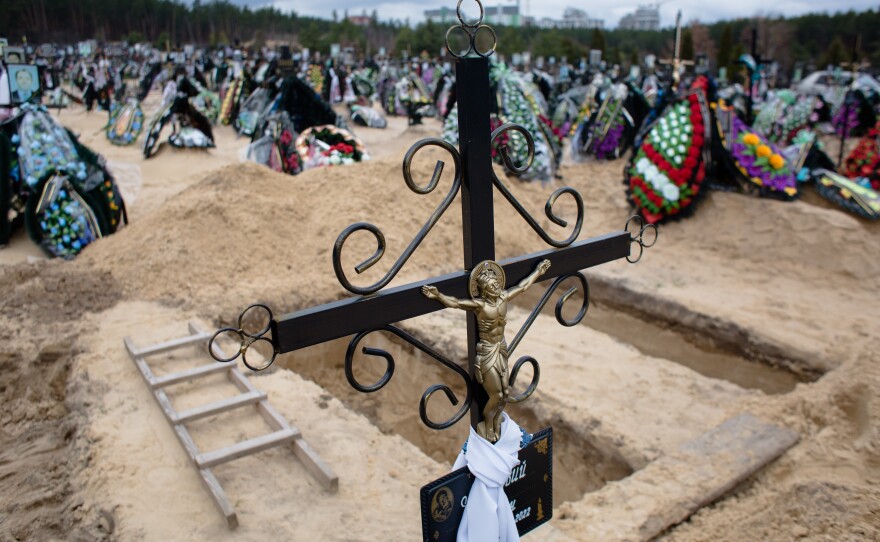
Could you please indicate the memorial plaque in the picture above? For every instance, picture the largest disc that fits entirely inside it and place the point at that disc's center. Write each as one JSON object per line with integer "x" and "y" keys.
{"x": 529, "y": 490}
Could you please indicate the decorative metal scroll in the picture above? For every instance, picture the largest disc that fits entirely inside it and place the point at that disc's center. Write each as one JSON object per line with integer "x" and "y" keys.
{"x": 380, "y": 237}
{"x": 389, "y": 372}
{"x": 471, "y": 30}
{"x": 560, "y": 304}
{"x": 585, "y": 305}
{"x": 548, "y": 208}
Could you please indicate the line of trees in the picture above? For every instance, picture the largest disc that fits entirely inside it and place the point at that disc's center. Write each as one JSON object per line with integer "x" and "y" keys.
{"x": 815, "y": 39}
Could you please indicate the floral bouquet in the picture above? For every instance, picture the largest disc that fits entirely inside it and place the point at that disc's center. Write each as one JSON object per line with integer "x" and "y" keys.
{"x": 666, "y": 173}
{"x": 755, "y": 157}
{"x": 322, "y": 146}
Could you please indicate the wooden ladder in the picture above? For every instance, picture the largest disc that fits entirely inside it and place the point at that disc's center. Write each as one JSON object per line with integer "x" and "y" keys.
{"x": 283, "y": 433}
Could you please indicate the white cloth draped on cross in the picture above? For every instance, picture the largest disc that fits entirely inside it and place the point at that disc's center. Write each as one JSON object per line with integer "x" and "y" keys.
{"x": 487, "y": 516}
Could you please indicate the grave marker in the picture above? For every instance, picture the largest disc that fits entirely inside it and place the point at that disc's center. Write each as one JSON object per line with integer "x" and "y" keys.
{"x": 530, "y": 483}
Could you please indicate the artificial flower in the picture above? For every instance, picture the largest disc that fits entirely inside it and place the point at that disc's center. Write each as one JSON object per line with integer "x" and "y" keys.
{"x": 777, "y": 162}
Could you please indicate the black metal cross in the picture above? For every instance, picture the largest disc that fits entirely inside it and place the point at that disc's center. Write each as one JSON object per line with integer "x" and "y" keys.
{"x": 376, "y": 309}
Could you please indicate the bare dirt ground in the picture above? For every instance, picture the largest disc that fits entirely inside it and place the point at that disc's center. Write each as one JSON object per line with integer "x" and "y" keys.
{"x": 748, "y": 285}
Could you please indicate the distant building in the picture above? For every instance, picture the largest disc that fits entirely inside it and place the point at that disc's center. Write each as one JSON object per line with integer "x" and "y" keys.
{"x": 499, "y": 15}
{"x": 360, "y": 20}
{"x": 644, "y": 18}
{"x": 571, "y": 18}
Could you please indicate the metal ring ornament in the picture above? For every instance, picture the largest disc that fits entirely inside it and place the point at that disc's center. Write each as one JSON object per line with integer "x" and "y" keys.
{"x": 471, "y": 30}
{"x": 246, "y": 340}
{"x": 389, "y": 372}
{"x": 380, "y": 237}
{"x": 548, "y": 208}
{"x": 639, "y": 238}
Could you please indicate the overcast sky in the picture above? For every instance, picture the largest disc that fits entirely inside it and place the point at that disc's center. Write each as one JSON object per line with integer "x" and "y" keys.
{"x": 611, "y": 12}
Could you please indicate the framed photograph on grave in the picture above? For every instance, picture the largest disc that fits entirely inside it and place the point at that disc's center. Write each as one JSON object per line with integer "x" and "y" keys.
{"x": 24, "y": 82}
{"x": 13, "y": 55}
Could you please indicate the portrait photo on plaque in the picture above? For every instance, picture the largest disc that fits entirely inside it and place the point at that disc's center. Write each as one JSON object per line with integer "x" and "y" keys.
{"x": 13, "y": 55}
{"x": 24, "y": 82}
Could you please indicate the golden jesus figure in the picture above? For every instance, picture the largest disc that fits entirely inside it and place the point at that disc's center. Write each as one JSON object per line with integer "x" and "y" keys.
{"x": 489, "y": 303}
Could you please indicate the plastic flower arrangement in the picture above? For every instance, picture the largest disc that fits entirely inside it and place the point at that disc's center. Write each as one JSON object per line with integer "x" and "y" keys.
{"x": 753, "y": 156}
{"x": 208, "y": 104}
{"x": 65, "y": 225}
{"x": 46, "y": 147}
{"x": 315, "y": 78}
{"x": 516, "y": 107}
{"x": 761, "y": 162}
{"x": 666, "y": 173}
{"x": 230, "y": 101}
{"x": 126, "y": 124}
{"x": 555, "y": 135}
{"x": 846, "y": 120}
{"x": 864, "y": 160}
{"x": 502, "y": 141}
{"x": 323, "y": 146}
{"x": 290, "y": 160}
{"x": 612, "y": 121}
{"x": 799, "y": 116}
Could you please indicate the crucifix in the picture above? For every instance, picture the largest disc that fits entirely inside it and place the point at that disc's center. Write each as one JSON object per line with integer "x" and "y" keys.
{"x": 676, "y": 61}
{"x": 854, "y": 66}
{"x": 482, "y": 289}
{"x": 752, "y": 63}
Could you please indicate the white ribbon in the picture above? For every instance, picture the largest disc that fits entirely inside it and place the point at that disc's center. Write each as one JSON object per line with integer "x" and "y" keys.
{"x": 487, "y": 516}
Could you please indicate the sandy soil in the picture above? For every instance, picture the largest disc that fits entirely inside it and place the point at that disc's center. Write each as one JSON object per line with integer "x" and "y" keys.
{"x": 86, "y": 455}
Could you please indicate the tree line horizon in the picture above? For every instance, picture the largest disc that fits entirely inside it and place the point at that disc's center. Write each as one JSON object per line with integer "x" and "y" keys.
{"x": 812, "y": 40}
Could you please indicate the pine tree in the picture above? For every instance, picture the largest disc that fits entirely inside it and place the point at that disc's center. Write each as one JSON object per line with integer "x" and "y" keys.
{"x": 598, "y": 40}
{"x": 687, "y": 44}
{"x": 834, "y": 55}
{"x": 725, "y": 50}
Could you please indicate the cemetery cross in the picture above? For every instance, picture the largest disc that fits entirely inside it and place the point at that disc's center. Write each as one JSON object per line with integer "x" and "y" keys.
{"x": 855, "y": 66}
{"x": 676, "y": 61}
{"x": 376, "y": 310}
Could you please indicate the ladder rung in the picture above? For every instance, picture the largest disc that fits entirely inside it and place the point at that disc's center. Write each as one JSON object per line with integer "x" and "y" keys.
{"x": 183, "y": 376}
{"x": 219, "y": 407}
{"x": 172, "y": 345}
{"x": 247, "y": 447}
